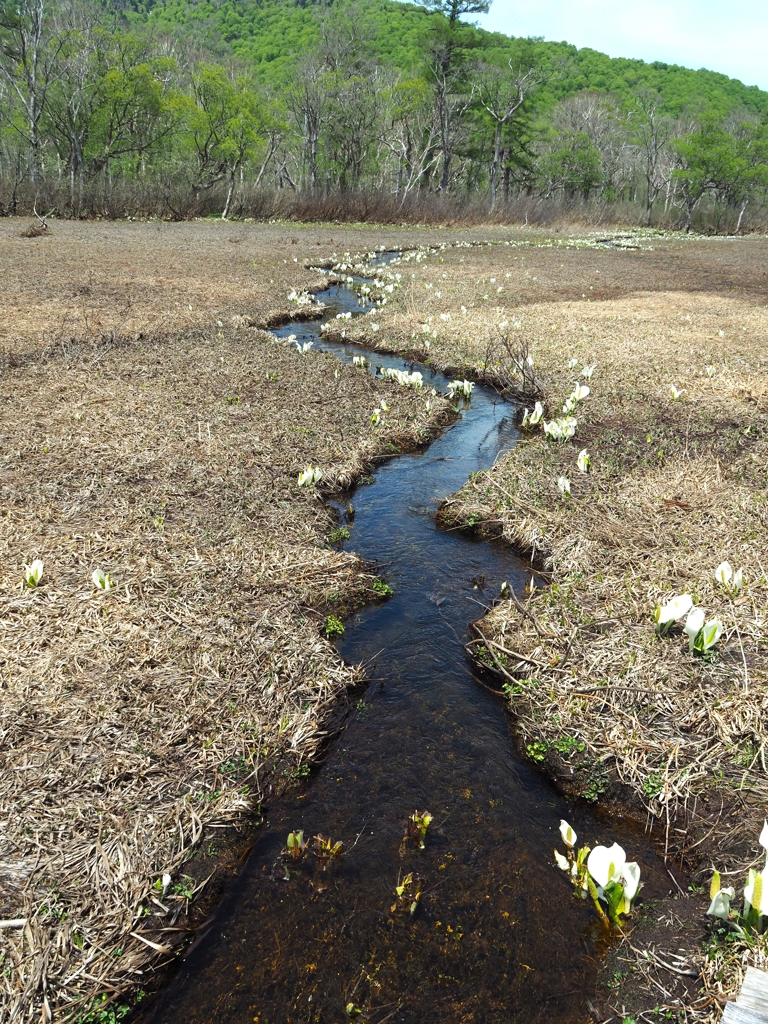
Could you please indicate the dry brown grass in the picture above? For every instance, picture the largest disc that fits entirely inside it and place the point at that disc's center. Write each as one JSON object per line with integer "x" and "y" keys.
{"x": 134, "y": 721}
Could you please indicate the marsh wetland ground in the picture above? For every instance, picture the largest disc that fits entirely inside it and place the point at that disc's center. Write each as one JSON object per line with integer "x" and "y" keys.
{"x": 152, "y": 428}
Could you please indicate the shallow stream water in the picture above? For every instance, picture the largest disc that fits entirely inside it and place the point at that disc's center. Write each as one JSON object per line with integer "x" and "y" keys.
{"x": 497, "y": 935}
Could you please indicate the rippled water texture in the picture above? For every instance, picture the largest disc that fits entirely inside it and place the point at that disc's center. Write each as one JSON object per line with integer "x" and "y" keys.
{"x": 497, "y": 935}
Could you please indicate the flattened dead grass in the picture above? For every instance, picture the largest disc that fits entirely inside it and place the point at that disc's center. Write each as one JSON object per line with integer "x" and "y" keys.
{"x": 135, "y": 721}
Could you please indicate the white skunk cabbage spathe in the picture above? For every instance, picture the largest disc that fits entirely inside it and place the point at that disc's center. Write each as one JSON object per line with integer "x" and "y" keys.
{"x": 102, "y": 580}
{"x": 606, "y": 864}
{"x": 33, "y": 573}
{"x": 726, "y": 577}
{"x": 674, "y": 609}
{"x": 583, "y": 461}
{"x": 564, "y": 485}
{"x": 720, "y": 905}
{"x": 693, "y": 626}
{"x": 709, "y": 635}
{"x": 572, "y": 364}
{"x": 569, "y": 837}
{"x": 588, "y": 370}
{"x": 310, "y": 476}
{"x": 580, "y": 392}
{"x": 562, "y": 862}
{"x": 460, "y": 387}
{"x": 537, "y": 414}
{"x": 764, "y": 842}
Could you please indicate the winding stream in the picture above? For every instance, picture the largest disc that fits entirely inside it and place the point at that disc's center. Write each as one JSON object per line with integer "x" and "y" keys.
{"x": 497, "y": 935}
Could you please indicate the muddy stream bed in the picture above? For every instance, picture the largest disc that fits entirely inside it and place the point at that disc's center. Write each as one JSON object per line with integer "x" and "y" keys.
{"x": 497, "y": 935}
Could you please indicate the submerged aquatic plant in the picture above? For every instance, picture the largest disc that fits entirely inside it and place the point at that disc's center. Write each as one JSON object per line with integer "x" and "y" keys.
{"x": 102, "y": 580}
{"x": 326, "y": 851}
{"x": 310, "y": 476}
{"x": 408, "y": 893}
{"x": 730, "y": 580}
{"x": 33, "y": 573}
{"x": 295, "y": 846}
{"x": 418, "y": 824}
{"x": 603, "y": 873}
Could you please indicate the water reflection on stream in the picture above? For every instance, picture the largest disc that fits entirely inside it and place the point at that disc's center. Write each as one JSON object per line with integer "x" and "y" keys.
{"x": 497, "y": 936}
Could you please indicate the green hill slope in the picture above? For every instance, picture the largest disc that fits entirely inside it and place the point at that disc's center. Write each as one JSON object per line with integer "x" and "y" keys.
{"x": 271, "y": 34}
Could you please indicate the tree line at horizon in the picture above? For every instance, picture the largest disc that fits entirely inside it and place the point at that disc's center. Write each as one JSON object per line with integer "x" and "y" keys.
{"x": 195, "y": 108}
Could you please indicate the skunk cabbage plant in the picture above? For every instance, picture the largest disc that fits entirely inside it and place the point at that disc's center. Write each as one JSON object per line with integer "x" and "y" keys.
{"x": 754, "y": 914}
{"x": 460, "y": 387}
{"x": 727, "y": 578}
{"x": 564, "y": 485}
{"x": 33, "y": 573}
{"x": 310, "y": 476}
{"x": 604, "y": 873}
{"x": 102, "y": 580}
{"x": 532, "y": 418}
{"x": 665, "y": 615}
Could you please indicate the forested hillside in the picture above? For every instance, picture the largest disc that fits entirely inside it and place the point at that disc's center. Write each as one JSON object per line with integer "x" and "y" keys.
{"x": 257, "y": 107}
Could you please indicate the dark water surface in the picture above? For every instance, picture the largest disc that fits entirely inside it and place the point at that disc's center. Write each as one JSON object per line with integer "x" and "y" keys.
{"x": 497, "y": 935}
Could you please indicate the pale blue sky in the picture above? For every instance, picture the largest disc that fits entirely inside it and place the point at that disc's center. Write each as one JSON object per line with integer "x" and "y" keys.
{"x": 730, "y": 36}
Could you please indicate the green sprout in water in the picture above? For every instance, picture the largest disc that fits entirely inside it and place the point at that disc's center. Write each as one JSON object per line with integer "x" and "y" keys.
{"x": 417, "y": 827}
{"x": 326, "y": 851}
{"x": 295, "y": 845}
{"x": 381, "y": 588}
{"x": 33, "y": 573}
{"x": 408, "y": 893}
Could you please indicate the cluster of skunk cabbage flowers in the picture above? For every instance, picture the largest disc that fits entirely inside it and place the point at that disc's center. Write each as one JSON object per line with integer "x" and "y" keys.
{"x": 562, "y": 429}
{"x": 300, "y": 298}
{"x": 460, "y": 387}
{"x": 310, "y": 476}
{"x": 359, "y": 361}
{"x": 530, "y": 419}
{"x": 33, "y": 573}
{"x": 302, "y": 347}
{"x": 754, "y": 913}
{"x": 604, "y": 873}
{"x": 702, "y": 635}
{"x": 404, "y": 378}
{"x": 580, "y": 392}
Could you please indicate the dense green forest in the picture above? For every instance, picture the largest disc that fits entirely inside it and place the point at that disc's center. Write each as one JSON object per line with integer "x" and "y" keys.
{"x": 369, "y": 107}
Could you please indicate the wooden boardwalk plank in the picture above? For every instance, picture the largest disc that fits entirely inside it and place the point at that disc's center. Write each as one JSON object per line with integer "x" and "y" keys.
{"x": 754, "y": 992}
